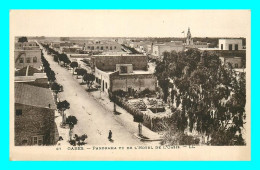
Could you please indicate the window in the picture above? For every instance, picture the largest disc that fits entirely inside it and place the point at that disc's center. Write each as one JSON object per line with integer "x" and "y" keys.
{"x": 106, "y": 47}
{"x": 236, "y": 65}
{"x": 88, "y": 47}
{"x": 28, "y": 60}
{"x": 35, "y": 59}
{"x": 97, "y": 47}
{"x": 221, "y": 46}
{"x": 230, "y": 47}
{"x": 106, "y": 85}
{"x": 21, "y": 60}
{"x": 236, "y": 46}
{"x": 110, "y": 48}
{"x": 101, "y": 47}
{"x": 115, "y": 47}
{"x": 92, "y": 48}
{"x": 37, "y": 140}
{"x": 18, "y": 112}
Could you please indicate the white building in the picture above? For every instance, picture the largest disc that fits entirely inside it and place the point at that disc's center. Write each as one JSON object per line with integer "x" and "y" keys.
{"x": 230, "y": 44}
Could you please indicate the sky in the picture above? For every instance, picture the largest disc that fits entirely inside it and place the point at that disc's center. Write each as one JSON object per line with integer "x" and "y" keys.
{"x": 130, "y": 23}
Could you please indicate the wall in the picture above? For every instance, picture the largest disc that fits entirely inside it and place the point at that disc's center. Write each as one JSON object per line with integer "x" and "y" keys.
{"x": 34, "y": 121}
{"x": 159, "y": 49}
{"x": 226, "y": 43}
{"x": 235, "y": 61}
{"x": 103, "y": 79}
{"x": 137, "y": 82}
{"x": 108, "y": 62}
{"x": 24, "y": 54}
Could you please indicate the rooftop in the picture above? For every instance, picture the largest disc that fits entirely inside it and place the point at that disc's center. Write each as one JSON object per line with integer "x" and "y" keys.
{"x": 34, "y": 96}
{"x": 27, "y": 71}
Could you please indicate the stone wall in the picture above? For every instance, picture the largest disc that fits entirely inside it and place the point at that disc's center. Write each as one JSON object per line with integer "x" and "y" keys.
{"x": 34, "y": 121}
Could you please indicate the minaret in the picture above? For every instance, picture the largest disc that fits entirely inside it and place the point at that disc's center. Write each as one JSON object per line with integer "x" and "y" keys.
{"x": 189, "y": 41}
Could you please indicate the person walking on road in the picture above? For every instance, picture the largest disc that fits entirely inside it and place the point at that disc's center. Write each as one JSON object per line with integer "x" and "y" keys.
{"x": 110, "y": 135}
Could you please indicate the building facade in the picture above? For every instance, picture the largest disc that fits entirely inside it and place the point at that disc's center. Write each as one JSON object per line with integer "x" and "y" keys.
{"x": 34, "y": 116}
{"x": 158, "y": 49}
{"x": 230, "y": 44}
{"x": 108, "y": 62}
{"x": 128, "y": 73}
{"x": 24, "y": 58}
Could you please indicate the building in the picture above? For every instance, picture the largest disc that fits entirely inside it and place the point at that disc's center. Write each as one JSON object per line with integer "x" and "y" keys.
{"x": 26, "y": 46}
{"x": 158, "y": 49}
{"x": 108, "y": 62}
{"x": 25, "y": 58}
{"x": 236, "y": 62}
{"x": 230, "y": 44}
{"x": 236, "y": 58}
{"x": 128, "y": 73}
{"x": 34, "y": 116}
{"x": 191, "y": 44}
{"x": 102, "y": 46}
{"x": 31, "y": 76}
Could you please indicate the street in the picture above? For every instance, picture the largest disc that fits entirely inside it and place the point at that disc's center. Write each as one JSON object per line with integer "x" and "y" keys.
{"x": 93, "y": 119}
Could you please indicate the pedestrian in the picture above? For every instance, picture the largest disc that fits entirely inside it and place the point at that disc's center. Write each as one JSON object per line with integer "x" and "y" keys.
{"x": 110, "y": 135}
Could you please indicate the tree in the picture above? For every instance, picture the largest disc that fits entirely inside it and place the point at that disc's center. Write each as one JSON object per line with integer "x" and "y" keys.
{"x": 89, "y": 79}
{"x": 62, "y": 106}
{"x": 80, "y": 72}
{"x": 22, "y": 39}
{"x": 56, "y": 89}
{"x": 71, "y": 120}
{"x": 74, "y": 65}
{"x": 212, "y": 97}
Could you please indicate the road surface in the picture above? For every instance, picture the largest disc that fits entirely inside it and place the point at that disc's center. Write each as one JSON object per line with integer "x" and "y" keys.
{"x": 93, "y": 118}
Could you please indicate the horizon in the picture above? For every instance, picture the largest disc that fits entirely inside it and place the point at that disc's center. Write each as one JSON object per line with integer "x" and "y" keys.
{"x": 131, "y": 23}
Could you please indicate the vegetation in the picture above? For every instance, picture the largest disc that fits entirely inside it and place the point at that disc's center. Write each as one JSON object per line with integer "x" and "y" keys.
{"x": 74, "y": 65}
{"x": 206, "y": 96}
{"x": 46, "y": 67}
{"x": 89, "y": 79}
{"x": 56, "y": 88}
{"x": 22, "y": 39}
{"x": 71, "y": 120}
{"x": 62, "y": 106}
{"x": 80, "y": 72}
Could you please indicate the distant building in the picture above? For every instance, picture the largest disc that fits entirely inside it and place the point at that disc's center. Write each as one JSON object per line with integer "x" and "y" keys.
{"x": 236, "y": 62}
{"x": 102, "y": 46}
{"x": 236, "y": 58}
{"x": 230, "y": 44}
{"x": 108, "y": 62}
{"x": 128, "y": 73}
{"x": 158, "y": 49}
{"x": 34, "y": 116}
{"x": 26, "y": 46}
{"x": 25, "y": 58}
{"x": 64, "y": 38}
{"x": 191, "y": 44}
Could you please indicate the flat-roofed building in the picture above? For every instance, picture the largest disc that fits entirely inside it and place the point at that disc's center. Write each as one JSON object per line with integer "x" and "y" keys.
{"x": 230, "y": 44}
